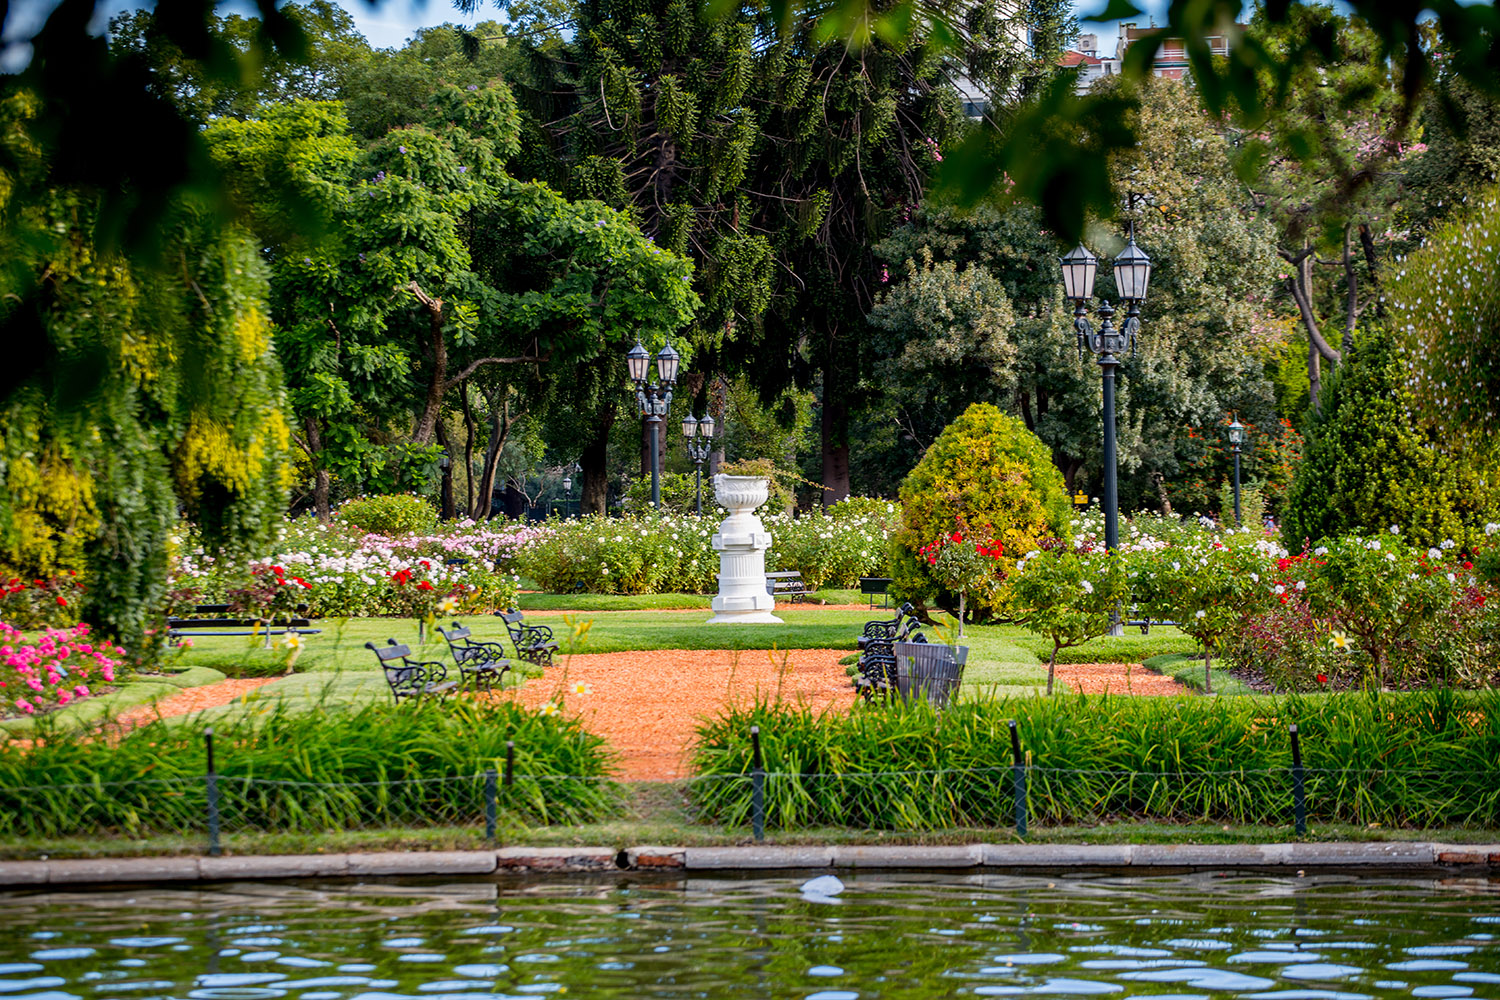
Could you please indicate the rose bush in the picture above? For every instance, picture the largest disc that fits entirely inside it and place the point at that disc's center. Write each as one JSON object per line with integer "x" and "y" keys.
{"x": 56, "y": 669}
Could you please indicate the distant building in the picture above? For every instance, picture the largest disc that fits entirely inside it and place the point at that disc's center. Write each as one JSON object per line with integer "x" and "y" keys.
{"x": 1171, "y": 57}
{"x": 1086, "y": 59}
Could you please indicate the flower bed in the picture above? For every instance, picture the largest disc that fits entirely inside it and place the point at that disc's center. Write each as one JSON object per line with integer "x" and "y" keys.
{"x": 51, "y": 671}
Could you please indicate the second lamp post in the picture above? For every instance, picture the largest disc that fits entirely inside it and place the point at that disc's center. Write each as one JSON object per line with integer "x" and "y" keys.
{"x": 1236, "y": 438}
{"x": 1132, "y": 273}
{"x": 654, "y": 399}
{"x": 699, "y": 432}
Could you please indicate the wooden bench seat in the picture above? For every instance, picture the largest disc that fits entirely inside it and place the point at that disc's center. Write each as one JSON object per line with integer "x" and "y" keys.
{"x": 534, "y": 643}
{"x": 482, "y": 662}
{"x": 411, "y": 678}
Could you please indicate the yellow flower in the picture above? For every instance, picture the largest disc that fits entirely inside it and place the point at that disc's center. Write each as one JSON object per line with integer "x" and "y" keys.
{"x": 292, "y": 641}
{"x": 550, "y": 708}
{"x": 582, "y": 687}
{"x": 1340, "y": 641}
{"x": 447, "y": 606}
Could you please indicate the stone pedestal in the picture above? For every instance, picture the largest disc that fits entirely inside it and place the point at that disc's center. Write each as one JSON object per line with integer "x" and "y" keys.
{"x": 741, "y": 543}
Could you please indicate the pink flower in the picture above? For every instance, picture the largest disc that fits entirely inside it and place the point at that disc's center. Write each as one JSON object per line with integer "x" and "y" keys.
{"x": 25, "y": 706}
{"x": 63, "y": 698}
{"x": 81, "y": 691}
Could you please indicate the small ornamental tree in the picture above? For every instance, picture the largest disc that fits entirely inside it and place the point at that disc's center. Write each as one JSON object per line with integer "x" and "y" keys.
{"x": 965, "y": 566}
{"x": 989, "y": 473}
{"x": 1207, "y": 587}
{"x": 1067, "y": 597}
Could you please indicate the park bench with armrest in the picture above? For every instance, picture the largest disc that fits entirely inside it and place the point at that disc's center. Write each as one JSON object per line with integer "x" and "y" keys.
{"x": 533, "y": 643}
{"x": 410, "y": 678}
{"x": 787, "y": 583}
{"x": 179, "y": 629}
{"x": 877, "y": 665}
{"x": 484, "y": 661}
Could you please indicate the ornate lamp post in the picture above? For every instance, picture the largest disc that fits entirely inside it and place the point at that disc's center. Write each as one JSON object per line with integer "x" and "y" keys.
{"x": 1132, "y": 274}
{"x": 699, "y": 434}
{"x": 567, "y": 496}
{"x": 1236, "y": 438}
{"x": 654, "y": 400}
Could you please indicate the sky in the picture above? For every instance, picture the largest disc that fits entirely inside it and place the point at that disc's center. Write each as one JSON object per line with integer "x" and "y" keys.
{"x": 390, "y": 23}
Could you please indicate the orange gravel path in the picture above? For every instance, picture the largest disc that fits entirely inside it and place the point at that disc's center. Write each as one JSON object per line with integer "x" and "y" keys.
{"x": 647, "y": 704}
{"x": 191, "y": 700}
{"x": 1118, "y": 678}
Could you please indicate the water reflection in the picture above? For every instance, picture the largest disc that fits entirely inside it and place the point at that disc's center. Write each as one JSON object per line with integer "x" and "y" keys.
{"x": 892, "y": 936}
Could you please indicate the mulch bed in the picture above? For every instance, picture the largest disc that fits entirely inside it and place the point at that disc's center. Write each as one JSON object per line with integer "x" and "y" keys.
{"x": 648, "y": 704}
{"x": 189, "y": 700}
{"x": 1118, "y": 678}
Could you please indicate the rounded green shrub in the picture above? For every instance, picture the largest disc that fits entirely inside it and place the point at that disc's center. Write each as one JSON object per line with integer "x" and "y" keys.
{"x": 395, "y": 514}
{"x": 1370, "y": 464}
{"x": 985, "y": 476}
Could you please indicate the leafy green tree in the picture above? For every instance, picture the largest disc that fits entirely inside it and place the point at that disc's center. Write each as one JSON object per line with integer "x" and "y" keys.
{"x": 1067, "y": 597}
{"x": 1370, "y": 465}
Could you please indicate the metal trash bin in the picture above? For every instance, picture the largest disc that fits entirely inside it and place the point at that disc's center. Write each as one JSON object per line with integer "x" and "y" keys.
{"x": 929, "y": 670}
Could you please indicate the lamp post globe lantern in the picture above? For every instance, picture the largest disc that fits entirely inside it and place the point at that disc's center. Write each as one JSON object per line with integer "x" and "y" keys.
{"x": 1132, "y": 272}
{"x": 1236, "y": 439}
{"x": 689, "y": 426}
{"x": 1079, "y": 267}
{"x": 667, "y": 360}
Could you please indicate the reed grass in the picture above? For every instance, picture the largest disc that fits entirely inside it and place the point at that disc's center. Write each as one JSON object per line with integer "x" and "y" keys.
{"x": 319, "y": 769}
{"x": 1425, "y": 758}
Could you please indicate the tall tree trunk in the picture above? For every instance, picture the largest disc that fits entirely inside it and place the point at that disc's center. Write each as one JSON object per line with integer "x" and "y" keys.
{"x": 437, "y": 378}
{"x": 468, "y": 412}
{"x": 445, "y": 490}
{"x": 594, "y": 492}
{"x": 1351, "y": 292}
{"x": 835, "y": 443}
{"x": 320, "y": 473}
{"x": 1318, "y": 348}
{"x": 501, "y": 421}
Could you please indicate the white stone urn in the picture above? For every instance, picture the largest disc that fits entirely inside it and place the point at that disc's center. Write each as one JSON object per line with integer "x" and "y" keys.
{"x": 741, "y": 543}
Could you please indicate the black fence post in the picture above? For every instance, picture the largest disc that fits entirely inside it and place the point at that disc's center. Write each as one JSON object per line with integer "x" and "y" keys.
{"x": 1299, "y": 788}
{"x": 211, "y": 779}
{"x": 757, "y": 787}
{"x": 510, "y": 763}
{"x": 1018, "y": 778}
{"x": 489, "y": 804}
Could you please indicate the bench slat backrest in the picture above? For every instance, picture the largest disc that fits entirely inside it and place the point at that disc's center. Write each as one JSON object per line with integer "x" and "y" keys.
{"x": 456, "y": 632}
{"x": 393, "y": 651}
{"x": 511, "y": 617}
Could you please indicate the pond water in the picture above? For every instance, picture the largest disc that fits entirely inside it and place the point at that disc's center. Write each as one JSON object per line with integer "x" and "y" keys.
{"x": 893, "y": 935}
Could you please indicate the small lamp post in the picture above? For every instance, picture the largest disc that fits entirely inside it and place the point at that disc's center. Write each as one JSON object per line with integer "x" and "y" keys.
{"x": 1236, "y": 439}
{"x": 699, "y": 434}
{"x": 654, "y": 400}
{"x": 567, "y": 496}
{"x": 1132, "y": 274}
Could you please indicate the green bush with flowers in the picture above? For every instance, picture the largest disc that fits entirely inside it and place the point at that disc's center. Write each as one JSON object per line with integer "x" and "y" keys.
{"x": 967, "y": 567}
{"x": 1208, "y": 587}
{"x": 987, "y": 472}
{"x": 1068, "y": 597}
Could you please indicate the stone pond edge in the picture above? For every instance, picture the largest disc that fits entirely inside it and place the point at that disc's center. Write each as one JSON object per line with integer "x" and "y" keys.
{"x": 573, "y": 860}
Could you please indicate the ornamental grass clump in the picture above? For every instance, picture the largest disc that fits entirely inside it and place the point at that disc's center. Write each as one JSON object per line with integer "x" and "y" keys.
{"x": 1423, "y": 758}
{"x": 420, "y": 763}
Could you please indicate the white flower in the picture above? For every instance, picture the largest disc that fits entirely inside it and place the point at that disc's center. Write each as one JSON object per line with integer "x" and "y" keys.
{"x": 1452, "y": 578}
{"x": 1279, "y": 589}
{"x": 1176, "y": 565}
{"x": 1373, "y": 545}
{"x": 1301, "y": 584}
{"x": 1088, "y": 588}
{"x": 1491, "y": 528}
{"x": 1200, "y": 614}
{"x": 1434, "y": 554}
{"x": 1449, "y": 543}
{"x": 1255, "y": 578}
{"x": 1395, "y": 530}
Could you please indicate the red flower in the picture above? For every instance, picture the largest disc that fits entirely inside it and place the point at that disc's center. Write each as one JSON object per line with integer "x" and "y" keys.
{"x": 426, "y": 565}
{"x": 424, "y": 585}
{"x": 1322, "y": 678}
{"x": 278, "y": 571}
{"x": 61, "y": 602}
{"x": 932, "y": 560}
{"x": 1468, "y": 565}
{"x": 956, "y": 537}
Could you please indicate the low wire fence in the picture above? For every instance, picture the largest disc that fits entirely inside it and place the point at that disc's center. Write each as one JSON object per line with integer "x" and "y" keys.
{"x": 1020, "y": 795}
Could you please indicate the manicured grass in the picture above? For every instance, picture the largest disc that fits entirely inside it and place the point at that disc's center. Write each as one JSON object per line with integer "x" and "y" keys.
{"x": 141, "y": 691}
{"x": 1187, "y": 668}
{"x": 1129, "y": 648}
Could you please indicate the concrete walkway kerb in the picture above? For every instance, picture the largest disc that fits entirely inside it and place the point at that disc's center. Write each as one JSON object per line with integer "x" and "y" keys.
{"x": 762, "y": 857}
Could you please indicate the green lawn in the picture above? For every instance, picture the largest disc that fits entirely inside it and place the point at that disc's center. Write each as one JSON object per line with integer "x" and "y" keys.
{"x": 335, "y": 668}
